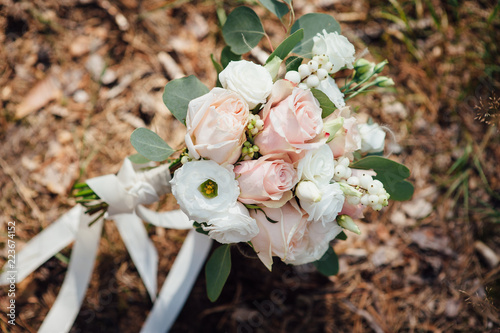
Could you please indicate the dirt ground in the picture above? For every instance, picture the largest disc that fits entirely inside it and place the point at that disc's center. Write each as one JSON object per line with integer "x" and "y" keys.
{"x": 77, "y": 77}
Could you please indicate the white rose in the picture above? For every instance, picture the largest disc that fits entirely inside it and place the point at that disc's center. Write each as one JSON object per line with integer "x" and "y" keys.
{"x": 233, "y": 226}
{"x": 372, "y": 138}
{"x": 204, "y": 189}
{"x": 330, "y": 88}
{"x": 336, "y": 47}
{"x": 253, "y": 82}
{"x": 326, "y": 209}
{"x": 317, "y": 166}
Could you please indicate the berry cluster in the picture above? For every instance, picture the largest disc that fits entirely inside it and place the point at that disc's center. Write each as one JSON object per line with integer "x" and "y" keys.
{"x": 360, "y": 189}
{"x": 311, "y": 74}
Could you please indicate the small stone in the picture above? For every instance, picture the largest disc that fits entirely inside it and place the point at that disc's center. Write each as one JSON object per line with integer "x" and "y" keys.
{"x": 108, "y": 77}
{"x": 80, "y": 46}
{"x": 452, "y": 308}
{"x": 81, "y": 96}
{"x": 95, "y": 65}
{"x": 417, "y": 209}
{"x": 399, "y": 218}
{"x": 384, "y": 255}
{"x": 487, "y": 254}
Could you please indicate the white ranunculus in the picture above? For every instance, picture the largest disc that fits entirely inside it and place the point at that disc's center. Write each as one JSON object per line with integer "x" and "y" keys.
{"x": 317, "y": 166}
{"x": 233, "y": 226}
{"x": 253, "y": 82}
{"x": 336, "y": 47}
{"x": 204, "y": 188}
{"x": 372, "y": 138}
{"x": 327, "y": 209}
{"x": 330, "y": 88}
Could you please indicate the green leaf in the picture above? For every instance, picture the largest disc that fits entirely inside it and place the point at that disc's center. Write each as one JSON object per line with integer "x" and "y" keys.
{"x": 217, "y": 270}
{"x": 328, "y": 265}
{"x": 287, "y": 45}
{"x": 218, "y": 67}
{"x": 391, "y": 174}
{"x": 150, "y": 145}
{"x": 227, "y": 56}
{"x": 313, "y": 24}
{"x": 324, "y": 102}
{"x": 138, "y": 159}
{"x": 242, "y": 30}
{"x": 178, "y": 93}
{"x": 341, "y": 236}
{"x": 293, "y": 63}
{"x": 276, "y": 7}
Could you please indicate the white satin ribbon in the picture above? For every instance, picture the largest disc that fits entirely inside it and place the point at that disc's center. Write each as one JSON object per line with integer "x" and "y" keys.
{"x": 125, "y": 193}
{"x": 178, "y": 284}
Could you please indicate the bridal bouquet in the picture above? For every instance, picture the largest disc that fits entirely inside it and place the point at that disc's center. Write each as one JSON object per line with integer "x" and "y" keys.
{"x": 274, "y": 157}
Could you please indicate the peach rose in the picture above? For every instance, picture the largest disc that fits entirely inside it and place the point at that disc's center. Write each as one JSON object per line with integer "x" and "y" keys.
{"x": 294, "y": 239}
{"x": 216, "y": 124}
{"x": 347, "y": 139}
{"x": 270, "y": 178}
{"x": 292, "y": 122}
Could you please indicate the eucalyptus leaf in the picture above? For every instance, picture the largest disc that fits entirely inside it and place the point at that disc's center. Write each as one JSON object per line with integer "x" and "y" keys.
{"x": 243, "y": 30}
{"x": 138, "y": 159}
{"x": 276, "y": 7}
{"x": 227, "y": 56}
{"x": 324, "y": 102}
{"x": 178, "y": 93}
{"x": 217, "y": 271}
{"x": 287, "y": 45}
{"x": 293, "y": 63}
{"x": 392, "y": 174}
{"x": 150, "y": 145}
{"x": 328, "y": 265}
{"x": 313, "y": 24}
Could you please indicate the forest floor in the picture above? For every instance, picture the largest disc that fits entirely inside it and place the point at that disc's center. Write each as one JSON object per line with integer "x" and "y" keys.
{"x": 77, "y": 77}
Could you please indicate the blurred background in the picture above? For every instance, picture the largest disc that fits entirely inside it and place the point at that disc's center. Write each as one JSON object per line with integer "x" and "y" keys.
{"x": 78, "y": 76}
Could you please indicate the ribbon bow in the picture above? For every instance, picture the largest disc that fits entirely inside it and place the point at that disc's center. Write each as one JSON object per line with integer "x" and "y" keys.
{"x": 125, "y": 193}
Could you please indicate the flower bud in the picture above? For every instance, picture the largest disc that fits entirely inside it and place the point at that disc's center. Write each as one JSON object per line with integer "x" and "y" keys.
{"x": 380, "y": 66}
{"x": 362, "y": 66}
{"x": 383, "y": 81}
{"x": 349, "y": 190}
{"x": 308, "y": 191}
{"x": 346, "y": 222}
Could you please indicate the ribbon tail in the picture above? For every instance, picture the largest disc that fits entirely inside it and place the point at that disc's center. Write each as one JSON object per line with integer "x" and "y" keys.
{"x": 67, "y": 305}
{"x": 141, "y": 249}
{"x": 174, "y": 219}
{"x": 42, "y": 247}
{"x": 178, "y": 284}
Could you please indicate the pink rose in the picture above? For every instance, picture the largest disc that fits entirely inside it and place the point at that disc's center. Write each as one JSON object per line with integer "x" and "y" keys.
{"x": 294, "y": 239}
{"x": 292, "y": 122}
{"x": 347, "y": 139}
{"x": 216, "y": 124}
{"x": 270, "y": 178}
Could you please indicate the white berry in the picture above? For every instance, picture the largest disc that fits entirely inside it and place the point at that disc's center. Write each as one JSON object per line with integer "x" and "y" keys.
{"x": 322, "y": 74}
{"x": 312, "y": 81}
{"x": 304, "y": 71}
{"x": 302, "y": 85}
{"x": 313, "y": 65}
{"x": 354, "y": 181}
{"x": 293, "y": 76}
